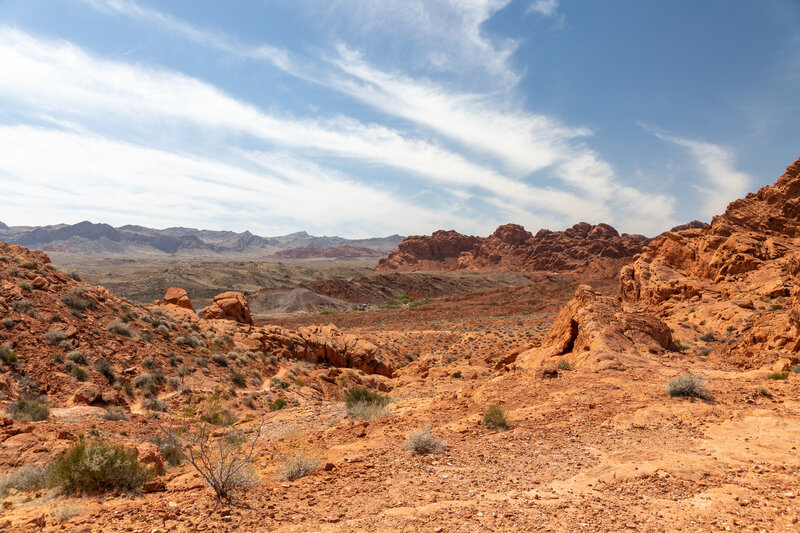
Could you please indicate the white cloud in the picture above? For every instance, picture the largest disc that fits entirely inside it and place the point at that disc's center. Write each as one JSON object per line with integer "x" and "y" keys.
{"x": 725, "y": 184}
{"x": 546, "y": 8}
{"x": 121, "y": 183}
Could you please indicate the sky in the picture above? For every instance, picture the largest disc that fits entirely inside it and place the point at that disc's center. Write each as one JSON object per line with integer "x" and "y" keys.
{"x": 367, "y": 118}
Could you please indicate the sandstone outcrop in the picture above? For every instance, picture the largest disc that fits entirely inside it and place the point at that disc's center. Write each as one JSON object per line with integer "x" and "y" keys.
{"x": 593, "y": 332}
{"x": 229, "y": 305}
{"x": 735, "y": 281}
{"x": 511, "y": 248}
{"x": 179, "y": 297}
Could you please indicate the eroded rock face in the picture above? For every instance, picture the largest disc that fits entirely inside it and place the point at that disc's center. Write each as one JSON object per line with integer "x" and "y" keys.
{"x": 511, "y": 248}
{"x": 324, "y": 344}
{"x": 735, "y": 279}
{"x": 229, "y": 306}
{"x": 179, "y": 297}
{"x": 593, "y": 332}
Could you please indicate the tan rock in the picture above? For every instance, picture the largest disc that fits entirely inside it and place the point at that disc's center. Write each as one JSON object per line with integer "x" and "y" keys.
{"x": 179, "y": 297}
{"x": 229, "y": 306}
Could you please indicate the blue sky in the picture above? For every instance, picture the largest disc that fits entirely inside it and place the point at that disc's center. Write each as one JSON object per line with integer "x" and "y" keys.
{"x": 360, "y": 118}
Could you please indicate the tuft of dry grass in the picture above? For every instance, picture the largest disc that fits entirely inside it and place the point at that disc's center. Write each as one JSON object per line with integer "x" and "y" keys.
{"x": 297, "y": 466}
{"x": 421, "y": 442}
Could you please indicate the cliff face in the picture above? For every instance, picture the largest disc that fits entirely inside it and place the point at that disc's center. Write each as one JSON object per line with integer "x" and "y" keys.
{"x": 737, "y": 278}
{"x": 511, "y": 248}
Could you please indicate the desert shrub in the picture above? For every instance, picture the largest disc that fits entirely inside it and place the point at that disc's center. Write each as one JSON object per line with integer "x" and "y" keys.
{"x": 708, "y": 337}
{"x": 778, "y": 376}
{"x": 796, "y": 369}
{"x": 25, "y": 306}
{"x": 218, "y": 416}
{"x": 238, "y": 379}
{"x": 364, "y": 404}
{"x": 79, "y": 373}
{"x": 29, "y": 264}
{"x": 564, "y": 365}
{"x": 297, "y": 466}
{"x": 65, "y": 513}
{"x": 763, "y": 391}
{"x": 99, "y": 467}
{"x": 76, "y": 302}
{"x": 495, "y": 418}
{"x": 142, "y": 380}
{"x": 220, "y": 358}
{"x": 360, "y": 394}
{"x": 114, "y": 413}
{"x": 8, "y": 355}
{"x": 169, "y": 452}
{"x": 26, "y": 477}
{"x": 775, "y": 307}
{"x": 77, "y": 357}
{"x": 678, "y": 347}
{"x": 75, "y": 275}
{"x": 164, "y": 331}
{"x": 277, "y": 404}
{"x": 31, "y": 409}
{"x": 55, "y": 317}
{"x": 55, "y": 336}
{"x": 120, "y": 328}
{"x": 8, "y": 322}
{"x": 278, "y": 382}
{"x": 190, "y": 340}
{"x": 688, "y": 386}
{"x": 421, "y": 442}
{"x": 149, "y": 363}
{"x": 223, "y": 464}
{"x": 704, "y": 352}
{"x": 105, "y": 368}
{"x": 24, "y": 285}
{"x": 154, "y": 404}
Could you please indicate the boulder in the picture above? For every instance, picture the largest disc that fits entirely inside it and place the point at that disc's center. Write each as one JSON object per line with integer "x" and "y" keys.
{"x": 229, "y": 306}
{"x": 593, "y": 332}
{"x": 179, "y": 297}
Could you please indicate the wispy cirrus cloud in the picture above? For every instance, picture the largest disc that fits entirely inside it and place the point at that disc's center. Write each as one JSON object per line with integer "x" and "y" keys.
{"x": 546, "y": 8}
{"x": 718, "y": 164}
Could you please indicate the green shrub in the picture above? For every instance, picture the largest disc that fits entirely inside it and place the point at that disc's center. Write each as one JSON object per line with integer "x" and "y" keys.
{"x": 763, "y": 391}
{"x": 120, "y": 328}
{"x": 678, "y": 347}
{"x": 34, "y": 410}
{"x": 8, "y": 322}
{"x": 79, "y": 373}
{"x": 105, "y": 368}
{"x": 278, "y": 382}
{"x": 564, "y": 365}
{"x": 364, "y": 404}
{"x": 704, "y": 352}
{"x": 8, "y": 355}
{"x": 688, "y": 386}
{"x": 238, "y": 379}
{"x": 495, "y": 418}
{"x": 99, "y": 467}
{"x": 708, "y": 337}
{"x": 360, "y": 394}
{"x": 77, "y": 357}
{"x": 220, "y": 358}
{"x": 277, "y": 405}
{"x": 778, "y": 376}
{"x": 169, "y": 451}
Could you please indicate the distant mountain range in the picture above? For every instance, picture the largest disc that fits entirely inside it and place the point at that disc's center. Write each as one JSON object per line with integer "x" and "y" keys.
{"x": 90, "y": 238}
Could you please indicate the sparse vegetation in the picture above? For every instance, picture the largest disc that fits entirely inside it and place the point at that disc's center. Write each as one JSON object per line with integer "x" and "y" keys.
{"x": 7, "y": 355}
{"x": 55, "y": 336}
{"x": 238, "y": 379}
{"x": 763, "y": 391}
{"x": 688, "y": 386}
{"x": 564, "y": 365}
{"x": 105, "y": 368}
{"x": 25, "y": 306}
{"x": 364, "y": 404}
{"x": 708, "y": 337}
{"x": 495, "y": 418}
{"x": 33, "y": 409}
{"x": 119, "y": 327}
{"x": 421, "y": 442}
{"x": 8, "y": 323}
{"x": 99, "y": 467}
{"x": 678, "y": 347}
{"x": 297, "y": 466}
{"x": 79, "y": 373}
{"x": 77, "y": 357}
{"x": 114, "y": 413}
{"x": 277, "y": 404}
{"x": 778, "y": 376}
{"x": 26, "y": 477}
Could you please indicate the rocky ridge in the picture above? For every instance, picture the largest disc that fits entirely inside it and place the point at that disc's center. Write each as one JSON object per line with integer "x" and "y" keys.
{"x": 729, "y": 289}
{"x": 598, "y": 250}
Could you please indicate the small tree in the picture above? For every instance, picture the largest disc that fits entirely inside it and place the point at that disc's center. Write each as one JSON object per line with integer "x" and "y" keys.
{"x": 224, "y": 463}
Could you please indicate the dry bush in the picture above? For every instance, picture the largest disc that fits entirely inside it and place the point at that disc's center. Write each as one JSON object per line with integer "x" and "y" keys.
{"x": 688, "y": 386}
{"x": 98, "y": 467}
{"x": 421, "y": 442}
{"x": 120, "y": 328}
{"x": 297, "y": 466}
{"x": 495, "y": 418}
{"x": 27, "y": 477}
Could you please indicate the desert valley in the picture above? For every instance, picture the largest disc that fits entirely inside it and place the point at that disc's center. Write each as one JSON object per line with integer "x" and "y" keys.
{"x": 557, "y": 381}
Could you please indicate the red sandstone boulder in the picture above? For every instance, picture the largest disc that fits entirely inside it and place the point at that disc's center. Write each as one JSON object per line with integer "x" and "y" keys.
{"x": 179, "y": 297}
{"x": 229, "y": 306}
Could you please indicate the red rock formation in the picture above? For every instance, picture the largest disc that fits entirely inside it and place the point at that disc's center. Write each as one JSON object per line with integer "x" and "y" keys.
{"x": 513, "y": 249}
{"x": 593, "y": 332}
{"x": 179, "y": 297}
{"x": 733, "y": 278}
{"x": 229, "y": 305}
